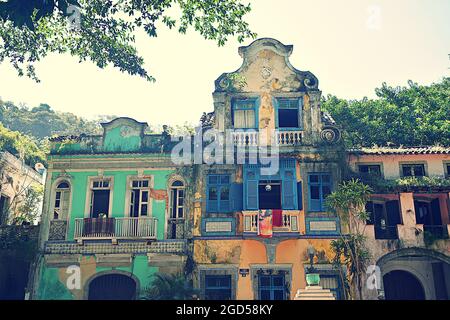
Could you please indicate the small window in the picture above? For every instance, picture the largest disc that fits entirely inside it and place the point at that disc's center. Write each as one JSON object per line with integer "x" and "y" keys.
{"x": 370, "y": 169}
{"x": 413, "y": 170}
{"x": 244, "y": 114}
{"x": 288, "y": 113}
{"x": 447, "y": 172}
{"x": 218, "y": 287}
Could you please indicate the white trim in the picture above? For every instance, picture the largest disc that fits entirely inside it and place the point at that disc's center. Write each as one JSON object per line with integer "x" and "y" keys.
{"x": 128, "y": 188}
{"x": 90, "y": 180}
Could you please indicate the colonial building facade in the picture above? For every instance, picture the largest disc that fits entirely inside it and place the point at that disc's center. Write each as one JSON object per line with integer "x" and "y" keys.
{"x": 408, "y": 229}
{"x": 252, "y": 228}
{"x": 107, "y": 216}
{"x": 241, "y": 215}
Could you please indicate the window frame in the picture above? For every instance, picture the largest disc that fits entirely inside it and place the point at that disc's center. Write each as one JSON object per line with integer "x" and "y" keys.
{"x": 299, "y": 108}
{"x": 319, "y": 184}
{"x": 57, "y": 190}
{"x": 230, "y": 288}
{"x": 89, "y": 190}
{"x": 446, "y": 169}
{"x": 413, "y": 163}
{"x": 141, "y": 189}
{"x": 235, "y": 106}
{"x": 177, "y": 189}
{"x": 271, "y": 287}
{"x": 371, "y": 164}
{"x": 219, "y": 187}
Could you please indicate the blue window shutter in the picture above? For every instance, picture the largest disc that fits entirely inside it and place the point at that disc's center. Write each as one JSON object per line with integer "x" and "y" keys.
{"x": 288, "y": 190}
{"x": 224, "y": 206}
{"x": 300, "y": 195}
{"x": 252, "y": 194}
{"x": 237, "y": 197}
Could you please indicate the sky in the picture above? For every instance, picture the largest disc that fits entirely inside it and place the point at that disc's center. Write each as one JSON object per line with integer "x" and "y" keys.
{"x": 352, "y": 46}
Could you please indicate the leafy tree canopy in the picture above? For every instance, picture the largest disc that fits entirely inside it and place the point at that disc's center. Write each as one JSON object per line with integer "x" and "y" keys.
{"x": 21, "y": 146}
{"x": 410, "y": 116}
{"x": 104, "y": 30}
{"x": 42, "y": 121}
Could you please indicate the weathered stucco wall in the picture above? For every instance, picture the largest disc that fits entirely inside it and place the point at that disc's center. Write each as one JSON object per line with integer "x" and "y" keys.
{"x": 434, "y": 163}
{"x": 246, "y": 253}
{"x": 53, "y": 283}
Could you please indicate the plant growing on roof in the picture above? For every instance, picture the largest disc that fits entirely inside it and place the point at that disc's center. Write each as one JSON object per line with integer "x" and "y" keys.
{"x": 349, "y": 202}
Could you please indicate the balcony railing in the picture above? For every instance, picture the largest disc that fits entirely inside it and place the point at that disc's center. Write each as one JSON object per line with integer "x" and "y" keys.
{"x": 282, "y": 138}
{"x": 289, "y": 138}
{"x": 245, "y": 138}
{"x": 289, "y": 222}
{"x": 436, "y": 231}
{"x": 115, "y": 228}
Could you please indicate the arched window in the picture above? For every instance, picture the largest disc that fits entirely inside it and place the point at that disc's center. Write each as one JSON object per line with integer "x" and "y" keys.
{"x": 177, "y": 200}
{"x": 176, "y": 210}
{"x": 62, "y": 199}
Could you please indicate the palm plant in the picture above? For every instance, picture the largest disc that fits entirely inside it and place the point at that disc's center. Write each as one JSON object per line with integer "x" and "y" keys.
{"x": 170, "y": 287}
{"x": 349, "y": 202}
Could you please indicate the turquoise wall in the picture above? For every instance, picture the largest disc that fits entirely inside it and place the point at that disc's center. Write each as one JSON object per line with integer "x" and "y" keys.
{"x": 51, "y": 288}
{"x": 79, "y": 181}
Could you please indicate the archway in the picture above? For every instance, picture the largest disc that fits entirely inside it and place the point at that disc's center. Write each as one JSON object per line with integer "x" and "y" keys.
{"x": 402, "y": 285}
{"x": 112, "y": 286}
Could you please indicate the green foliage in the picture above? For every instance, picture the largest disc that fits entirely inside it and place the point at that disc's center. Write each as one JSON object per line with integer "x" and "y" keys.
{"x": 29, "y": 208}
{"x": 15, "y": 241}
{"x": 351, "y": 252}
{"x": 42, "y": 121}
{"x": 169, "y": 287}
{"x": 106, "y": 32}
{"x": 409, "y": 116}
{"x": 407, "y": 184}
{"x": 21, "y": 146}
{"x": 349, "y": 199}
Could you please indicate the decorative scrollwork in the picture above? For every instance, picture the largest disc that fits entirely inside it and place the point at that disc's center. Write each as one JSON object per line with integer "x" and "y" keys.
{"x": 330, "y": 135}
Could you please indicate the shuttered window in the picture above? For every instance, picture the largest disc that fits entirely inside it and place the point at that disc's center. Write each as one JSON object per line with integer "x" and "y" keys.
{"x": 218, "y": 193}
{"x": 319, "y": 186}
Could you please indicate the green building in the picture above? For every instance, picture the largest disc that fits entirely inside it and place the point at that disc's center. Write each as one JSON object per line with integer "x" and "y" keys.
{"x": 113, "y": 215}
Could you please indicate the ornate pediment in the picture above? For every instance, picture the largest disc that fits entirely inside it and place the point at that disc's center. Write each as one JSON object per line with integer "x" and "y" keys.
{"x": 266, "y": 68}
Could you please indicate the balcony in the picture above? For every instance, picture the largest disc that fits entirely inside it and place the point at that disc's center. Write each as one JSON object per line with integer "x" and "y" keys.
{"x": 115, "y": 228}
{"x": 251, "y": 138}
{"x": 386, "y": 232}
{"x": 289, "y": 222}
